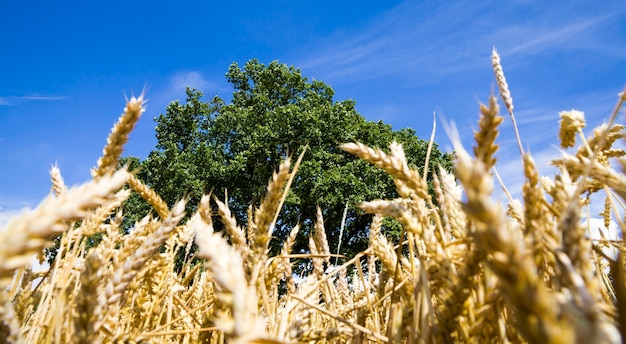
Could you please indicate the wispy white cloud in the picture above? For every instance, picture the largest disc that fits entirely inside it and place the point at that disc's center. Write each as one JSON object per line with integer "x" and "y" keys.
{"x": 183, "y": 79}
{"x": 426, "y": 41}
{"x": 547, "y": 37}
{"x": 13, "y": 100}
{"x": 406, "y": 40}
{"x": 176, "y": 85}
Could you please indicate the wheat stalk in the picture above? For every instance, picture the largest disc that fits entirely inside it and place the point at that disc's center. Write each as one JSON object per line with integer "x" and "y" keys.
{"x": 124, "y": 274}
{"x": 505, "y": 94}
{"x": 235, "y": 293}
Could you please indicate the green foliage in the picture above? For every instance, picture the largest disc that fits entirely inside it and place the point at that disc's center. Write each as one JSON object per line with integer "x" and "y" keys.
{"x": 274, "y": 113}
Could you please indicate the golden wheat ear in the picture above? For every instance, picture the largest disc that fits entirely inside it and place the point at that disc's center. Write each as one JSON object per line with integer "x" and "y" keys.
{"x": 157, "y": 203}
{"x": 408, "y": 182}
{"x": 572, "y": 122}
{"x": 58, "y": 185}
{"x": 485, "y": 138}
{"x": 118, "y": 137}
{"x": 505, "y": 94}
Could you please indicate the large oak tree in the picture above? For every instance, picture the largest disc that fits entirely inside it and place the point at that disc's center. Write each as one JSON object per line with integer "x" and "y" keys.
{"x": 274, "y": 113}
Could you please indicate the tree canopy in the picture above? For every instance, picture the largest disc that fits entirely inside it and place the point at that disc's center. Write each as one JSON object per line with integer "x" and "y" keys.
{"x": 234, "y": 147}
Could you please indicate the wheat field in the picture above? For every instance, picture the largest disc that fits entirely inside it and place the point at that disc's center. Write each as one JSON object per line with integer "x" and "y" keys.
{"x": 468, "y": 268}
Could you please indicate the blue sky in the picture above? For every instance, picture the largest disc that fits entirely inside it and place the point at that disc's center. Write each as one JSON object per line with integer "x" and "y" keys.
{"x": 66, "y": 68}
